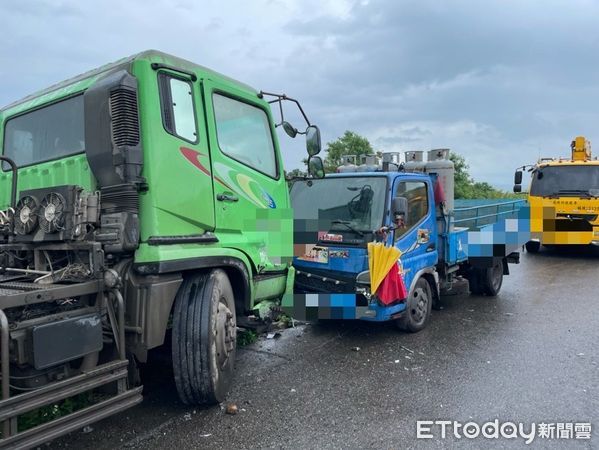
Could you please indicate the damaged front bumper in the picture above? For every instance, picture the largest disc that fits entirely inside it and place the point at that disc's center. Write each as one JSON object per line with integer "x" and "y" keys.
{"x": 340, "y": 306}
{"x": 319, "y": 300}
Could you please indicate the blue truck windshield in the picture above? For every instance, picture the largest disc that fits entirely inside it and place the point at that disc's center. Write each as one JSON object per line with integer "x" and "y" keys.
{"x": 344, "y": 203}
{"x": 565, "y": 180}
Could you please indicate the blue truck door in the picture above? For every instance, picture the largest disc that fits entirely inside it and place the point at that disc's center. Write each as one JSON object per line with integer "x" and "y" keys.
{"x": 417, "y": 238}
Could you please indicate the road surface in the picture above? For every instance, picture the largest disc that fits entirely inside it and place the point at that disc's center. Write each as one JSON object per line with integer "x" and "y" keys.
{"x": 531, "y": 355}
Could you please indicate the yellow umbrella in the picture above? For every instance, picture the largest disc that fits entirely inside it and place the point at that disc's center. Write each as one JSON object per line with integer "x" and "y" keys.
{"x": 380, "y": 261}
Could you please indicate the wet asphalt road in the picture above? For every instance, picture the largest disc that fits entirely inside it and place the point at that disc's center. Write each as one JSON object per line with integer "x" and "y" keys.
{"x": 529, "y": 355}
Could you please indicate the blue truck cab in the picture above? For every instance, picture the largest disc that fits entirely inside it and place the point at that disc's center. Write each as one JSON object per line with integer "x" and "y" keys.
{"x": 337, "y": 216}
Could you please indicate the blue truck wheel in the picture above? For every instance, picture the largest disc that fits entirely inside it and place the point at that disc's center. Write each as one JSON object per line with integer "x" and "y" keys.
{"x": 493, "y": 278}
{"x": 475, "y": 281}
{"x": 418, "y": 310}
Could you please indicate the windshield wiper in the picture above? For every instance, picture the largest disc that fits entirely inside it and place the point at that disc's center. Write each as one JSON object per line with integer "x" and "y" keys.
{"x": 348, "y": 225}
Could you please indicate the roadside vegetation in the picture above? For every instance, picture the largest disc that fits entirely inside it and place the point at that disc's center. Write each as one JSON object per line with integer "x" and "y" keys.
{"x": 246, "y": 337}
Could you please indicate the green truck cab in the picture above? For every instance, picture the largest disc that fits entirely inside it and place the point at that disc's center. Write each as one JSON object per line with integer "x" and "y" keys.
{"x": 143, "y": 196}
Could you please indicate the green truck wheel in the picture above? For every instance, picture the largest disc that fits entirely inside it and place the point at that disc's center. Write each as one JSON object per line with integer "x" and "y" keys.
{"x": 204, "y": 338}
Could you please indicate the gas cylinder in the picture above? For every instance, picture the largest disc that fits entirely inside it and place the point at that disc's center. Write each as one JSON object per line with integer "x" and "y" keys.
{"x": 440, "y": 164}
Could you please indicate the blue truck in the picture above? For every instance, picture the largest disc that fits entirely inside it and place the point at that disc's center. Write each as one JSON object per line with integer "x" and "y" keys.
{"x": 338, "y": 215}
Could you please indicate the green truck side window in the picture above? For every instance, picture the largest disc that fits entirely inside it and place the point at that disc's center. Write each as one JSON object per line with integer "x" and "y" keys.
{"x": 178, "y": 113}
{"x": 47, "y": 133}
{"x": 244, "y": 134}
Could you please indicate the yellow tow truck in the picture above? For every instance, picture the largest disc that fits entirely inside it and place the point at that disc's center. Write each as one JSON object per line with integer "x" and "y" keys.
{"x": 563, "y": 198}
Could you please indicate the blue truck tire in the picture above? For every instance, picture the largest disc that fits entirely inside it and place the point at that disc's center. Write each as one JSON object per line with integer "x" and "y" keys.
{"x": 418, "y": 308}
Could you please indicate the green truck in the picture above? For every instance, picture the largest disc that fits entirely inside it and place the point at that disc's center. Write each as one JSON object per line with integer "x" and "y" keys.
{"x": 144, "y": 196}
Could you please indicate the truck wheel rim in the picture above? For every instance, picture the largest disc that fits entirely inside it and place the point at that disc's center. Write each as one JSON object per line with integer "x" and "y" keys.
{"x": 225, "y": 333}
{"x": 497, "y": 274}
{"x": 419, "y": 306}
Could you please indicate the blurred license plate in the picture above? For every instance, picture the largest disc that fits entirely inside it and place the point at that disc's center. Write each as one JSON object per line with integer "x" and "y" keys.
{"x": 316, "y": 254}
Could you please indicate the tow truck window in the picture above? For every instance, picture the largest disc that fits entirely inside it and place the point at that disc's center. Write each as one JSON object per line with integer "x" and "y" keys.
{"x": 178, "y": 114}
{"x": 416, "y": 194}
{"x": 45, "y": 134}
{"x": 243, "y": 133}
{"x": 565, "y": 180}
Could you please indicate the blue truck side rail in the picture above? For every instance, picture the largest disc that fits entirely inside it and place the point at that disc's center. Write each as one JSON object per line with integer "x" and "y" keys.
{"x": 478, "y": 213}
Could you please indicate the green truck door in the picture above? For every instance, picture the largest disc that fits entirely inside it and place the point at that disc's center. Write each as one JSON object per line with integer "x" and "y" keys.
{"x": 249, "y": 185}
{"x": 177, "y": 164}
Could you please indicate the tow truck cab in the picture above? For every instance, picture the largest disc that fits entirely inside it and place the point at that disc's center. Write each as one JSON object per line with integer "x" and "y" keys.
{"x": 563, "y": 198}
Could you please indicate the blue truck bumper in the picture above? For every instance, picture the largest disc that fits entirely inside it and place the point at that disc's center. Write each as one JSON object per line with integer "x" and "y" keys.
{"x": 339, "y": 306}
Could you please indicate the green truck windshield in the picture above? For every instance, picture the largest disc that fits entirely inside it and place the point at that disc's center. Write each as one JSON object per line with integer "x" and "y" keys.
{"x": 47, "y": 133}
{"x": 353, "y": 201}
{"x": 565, "y": 180}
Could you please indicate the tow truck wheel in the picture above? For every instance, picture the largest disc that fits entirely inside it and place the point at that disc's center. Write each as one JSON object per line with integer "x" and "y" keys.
{"x": 204, "y": 338}
{"x": 533, "y": 246}
{"x": 418, "y": 309}
{"x": 493, "y": 278}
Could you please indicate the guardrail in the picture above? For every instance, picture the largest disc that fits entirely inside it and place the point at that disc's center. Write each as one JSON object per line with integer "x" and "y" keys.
{"x": 476, "y": 217}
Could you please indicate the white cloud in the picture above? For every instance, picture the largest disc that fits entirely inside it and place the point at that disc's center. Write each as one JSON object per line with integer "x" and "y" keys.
{"x": 498, "y": 81}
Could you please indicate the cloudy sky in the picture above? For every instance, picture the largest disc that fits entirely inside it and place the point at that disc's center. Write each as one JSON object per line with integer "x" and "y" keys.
{"x": 500, "y": 82}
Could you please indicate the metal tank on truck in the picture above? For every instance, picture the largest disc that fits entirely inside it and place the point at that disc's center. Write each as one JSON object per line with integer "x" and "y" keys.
{"x": 391, "y": 160}
{"x": 440, "y": 164}
{"x": 349, "y": 164}
{"x": 370, "y": 163}
{"x": 414, "y": 161}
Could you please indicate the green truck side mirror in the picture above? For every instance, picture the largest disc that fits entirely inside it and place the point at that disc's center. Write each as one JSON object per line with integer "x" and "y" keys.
{"x": 315, "y": 167}
{"x": 313, "y": 140}
{"x": 289, "y": 129}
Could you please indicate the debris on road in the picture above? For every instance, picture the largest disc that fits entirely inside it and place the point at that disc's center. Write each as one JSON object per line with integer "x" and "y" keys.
{"x": 232, "y": 409}
{"x": 273, "y": 335}
{"x": 407, "y": 349}
{"x": 87, "y": 429}
{"x": 355, "y": 349}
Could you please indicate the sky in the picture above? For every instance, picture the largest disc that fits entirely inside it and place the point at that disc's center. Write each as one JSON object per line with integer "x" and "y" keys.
{"x": 500, "y": 82}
